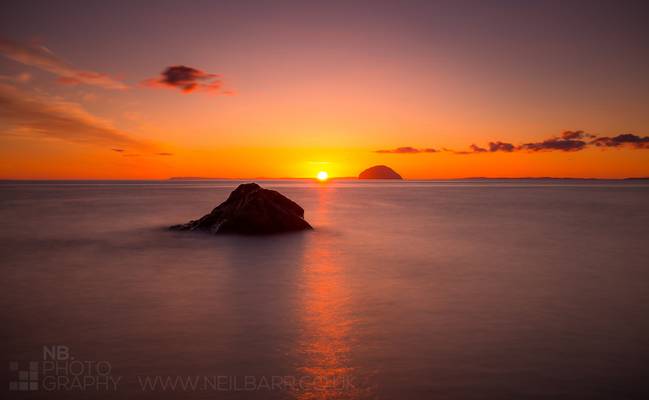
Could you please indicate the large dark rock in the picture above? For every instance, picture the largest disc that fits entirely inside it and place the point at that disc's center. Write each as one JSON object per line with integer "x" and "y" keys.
{"x": 251, "y": 210}
{"x": 379, "y": 172}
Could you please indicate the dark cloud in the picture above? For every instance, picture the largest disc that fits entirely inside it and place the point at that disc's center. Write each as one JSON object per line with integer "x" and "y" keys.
{"x": 128, "y": 154}
{"x": 573, "y": 135}
{"x": 41, "y": 57}
{"x": 567, "y": 141}
{"x": 493, "y": 147}
{"x": 40, "y": 116}
{"x": 187, "y": 79}
{"x": 501, "y": 146}
{"x": 625, "y": 139}
{"x": 559, "y": 144}
{"x": 406, "y": 150}
{"x": 477, "y": 149}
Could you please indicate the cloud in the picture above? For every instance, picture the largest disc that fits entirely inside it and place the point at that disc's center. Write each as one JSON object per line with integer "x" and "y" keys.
{"x": 493, "y": 147}
{"x": 501, "y": 146}
{"x": 42, "y": 58}
{"x": 477, "y": 149}
{"x": 406, "y": 150}
{"x": 571, "y": 135}
{"x": 130, "y": 154}
{"x": 187, "y": 80}
{"x": 567, "y": 141}
{"x": 41, "y": 116}
{"x": 557, "y": 143}
{"x": 23, "y": 77}
{"x": 625, "y": 139}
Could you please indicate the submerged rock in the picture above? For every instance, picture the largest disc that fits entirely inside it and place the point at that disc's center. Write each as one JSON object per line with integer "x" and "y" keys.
{"x": 379, "y": 172}
{"x": 251, "y": 210}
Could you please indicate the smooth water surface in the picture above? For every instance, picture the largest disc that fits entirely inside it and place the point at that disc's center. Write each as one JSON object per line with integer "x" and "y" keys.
{"x": 405, "y": 290}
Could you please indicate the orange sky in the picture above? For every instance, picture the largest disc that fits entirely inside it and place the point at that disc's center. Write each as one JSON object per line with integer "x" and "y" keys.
{"x": 319, "y": 88}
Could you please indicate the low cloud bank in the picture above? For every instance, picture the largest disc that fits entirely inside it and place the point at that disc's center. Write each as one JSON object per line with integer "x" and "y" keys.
{"x": 568, "y": 141}
{"x": 406, "y": 150}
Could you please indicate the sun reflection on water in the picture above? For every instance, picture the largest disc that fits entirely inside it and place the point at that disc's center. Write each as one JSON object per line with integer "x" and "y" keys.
{"x": 325, "y": 342}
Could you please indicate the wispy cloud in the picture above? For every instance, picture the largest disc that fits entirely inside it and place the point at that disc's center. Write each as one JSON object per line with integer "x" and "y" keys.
{"x": 41, "y": 116}
{"x": 406, "y": 150}
{"x": 22, "y": 77}
{"x": 41, "y": 57}
{"x": 187, "y": 80}
{"x": 473, "y": 149}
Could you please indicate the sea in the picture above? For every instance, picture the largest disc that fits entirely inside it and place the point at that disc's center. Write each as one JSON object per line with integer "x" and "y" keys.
{"x": 463, "y": 289}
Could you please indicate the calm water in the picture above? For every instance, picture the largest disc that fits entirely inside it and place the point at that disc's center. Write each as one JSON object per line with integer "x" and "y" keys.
{"x": 404, "y": 291}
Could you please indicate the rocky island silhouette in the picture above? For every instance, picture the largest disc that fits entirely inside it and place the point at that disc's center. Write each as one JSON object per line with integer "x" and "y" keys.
{"x": 379, "y": 172}
{"x": 251, "y": 210}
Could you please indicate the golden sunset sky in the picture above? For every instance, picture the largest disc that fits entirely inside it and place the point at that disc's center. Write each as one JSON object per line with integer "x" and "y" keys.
{"x": 148, "y": 90}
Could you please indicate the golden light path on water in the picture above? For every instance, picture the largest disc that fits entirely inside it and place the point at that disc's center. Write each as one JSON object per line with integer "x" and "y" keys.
{"x": 325, "y": 344}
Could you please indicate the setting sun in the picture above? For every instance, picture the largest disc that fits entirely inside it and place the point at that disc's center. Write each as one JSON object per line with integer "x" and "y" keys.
{"x": 322, "y": 176}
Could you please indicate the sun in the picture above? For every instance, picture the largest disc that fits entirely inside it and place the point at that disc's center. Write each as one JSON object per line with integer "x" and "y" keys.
{"x": 322, "y": 176}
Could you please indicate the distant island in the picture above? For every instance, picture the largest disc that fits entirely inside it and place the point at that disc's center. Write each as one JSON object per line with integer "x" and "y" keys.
{"x": 379, "y": 172}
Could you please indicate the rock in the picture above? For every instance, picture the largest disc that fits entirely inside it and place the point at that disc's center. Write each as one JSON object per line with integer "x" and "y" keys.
{"x": 379, "y": 172}
{"x": 251, "y": 210}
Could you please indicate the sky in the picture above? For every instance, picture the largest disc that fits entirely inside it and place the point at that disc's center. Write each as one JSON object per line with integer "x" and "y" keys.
{"x": 242, "y": 89}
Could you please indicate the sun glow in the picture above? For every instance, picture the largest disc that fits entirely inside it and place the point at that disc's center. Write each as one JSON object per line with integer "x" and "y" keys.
{"x": 322, "y": 176}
